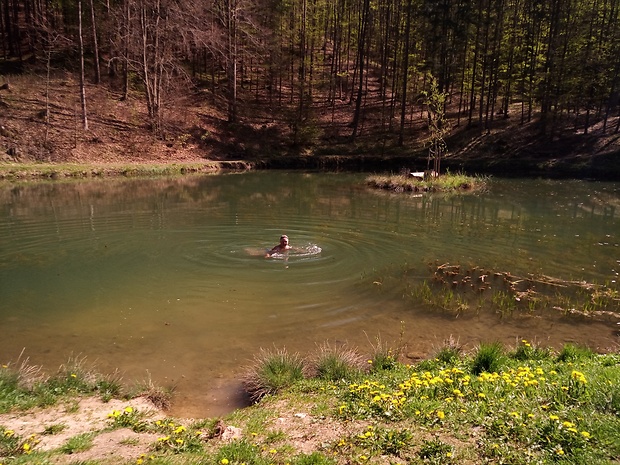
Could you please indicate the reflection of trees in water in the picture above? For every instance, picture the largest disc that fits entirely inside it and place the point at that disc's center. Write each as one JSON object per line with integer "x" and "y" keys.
{"x": 576, "y": 209}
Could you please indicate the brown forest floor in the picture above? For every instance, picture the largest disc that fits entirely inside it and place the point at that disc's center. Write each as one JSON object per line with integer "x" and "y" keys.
{"x": 196, "y": 131}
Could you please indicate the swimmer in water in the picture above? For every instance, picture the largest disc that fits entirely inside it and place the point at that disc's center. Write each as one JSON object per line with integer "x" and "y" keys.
{"x": 282, "y": 247}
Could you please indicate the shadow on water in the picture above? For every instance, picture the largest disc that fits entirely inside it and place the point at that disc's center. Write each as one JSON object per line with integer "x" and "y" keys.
{"x": 154, "y": 275}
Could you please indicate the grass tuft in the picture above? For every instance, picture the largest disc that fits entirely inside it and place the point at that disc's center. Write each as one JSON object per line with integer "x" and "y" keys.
{"x": 335, "y": 363}
{"x": 79, "y": 443}
{"x": 271, "y": 372}
{"x": 488, "y": 358}
{"x": 572, "y": 353}
{"x": 450, "y": 351}
{"x": 159, "y": 396}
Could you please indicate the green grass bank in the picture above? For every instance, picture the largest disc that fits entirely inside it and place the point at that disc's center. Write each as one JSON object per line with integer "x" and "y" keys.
{"x": 520, "y": 405}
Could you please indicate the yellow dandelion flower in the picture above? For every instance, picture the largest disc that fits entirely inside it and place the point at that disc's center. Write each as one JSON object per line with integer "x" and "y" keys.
{"x": 128, "y": 409}
{"x": 585, "y": 434}
{"x": 224, "y": 461}
{"x": 553, "y": 417}
{"x": 440, "y": 414}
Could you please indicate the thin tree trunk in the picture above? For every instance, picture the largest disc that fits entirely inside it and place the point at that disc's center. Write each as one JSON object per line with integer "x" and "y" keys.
{"x": 95, "y": 43}
{"x": 365, "y": 17}
{"x": 82, "y": 85}
{"x": 127, "y": 30}
{"x": 403, "y": 101}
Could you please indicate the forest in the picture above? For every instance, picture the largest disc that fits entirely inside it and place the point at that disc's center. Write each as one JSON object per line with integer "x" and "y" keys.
{"x": 337, "y": 69}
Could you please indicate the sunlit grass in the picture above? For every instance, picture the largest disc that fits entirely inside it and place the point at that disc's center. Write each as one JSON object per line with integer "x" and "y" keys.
{"x": 332, "y": 363}
{"x": 527, "y": 402}
{"x": 79, "y": 443}
{"x": 491, "y": 404}
{"x": 24, "y": 386}
{"x": 72, "y": 170}
{"x": 271, "y": 371}
{"x": 448, "y": 182}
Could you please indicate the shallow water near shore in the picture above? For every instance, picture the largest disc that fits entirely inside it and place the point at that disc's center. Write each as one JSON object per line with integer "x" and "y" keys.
{"x": 158, "y": 277}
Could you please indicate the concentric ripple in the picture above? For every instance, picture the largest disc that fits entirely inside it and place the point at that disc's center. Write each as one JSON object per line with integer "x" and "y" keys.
{"x": 171, "y": 275}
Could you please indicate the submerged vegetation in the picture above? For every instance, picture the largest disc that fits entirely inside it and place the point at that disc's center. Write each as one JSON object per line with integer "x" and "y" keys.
{"x": 458, "y": 289}
{"x": 444, "y": 183}
{"x": 495, "y": 404}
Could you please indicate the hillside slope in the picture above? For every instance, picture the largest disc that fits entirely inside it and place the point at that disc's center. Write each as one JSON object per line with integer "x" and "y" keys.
{"x": 196, "y": 130}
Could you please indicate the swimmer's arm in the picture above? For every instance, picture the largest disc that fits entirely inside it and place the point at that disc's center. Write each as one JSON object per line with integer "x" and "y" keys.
{"x": 272, "y": 251}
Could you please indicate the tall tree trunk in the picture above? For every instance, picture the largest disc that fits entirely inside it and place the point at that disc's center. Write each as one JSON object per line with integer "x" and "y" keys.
{"x": 82, "y": 85}
{"x": 365, "y": 19}
{"x": 405, "y": 83}
{"x": 231, "y": 65}
{"x": 3, "y": 35}
{"x": 127, "y": 32}
{"x": 95, "y": 43}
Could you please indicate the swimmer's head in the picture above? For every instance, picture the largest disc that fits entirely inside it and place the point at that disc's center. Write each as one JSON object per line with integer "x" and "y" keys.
{"x": 284, "y": 239}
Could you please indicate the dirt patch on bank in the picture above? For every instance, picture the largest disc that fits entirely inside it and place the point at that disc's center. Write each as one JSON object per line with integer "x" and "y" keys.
{"x": 52, "y": 427}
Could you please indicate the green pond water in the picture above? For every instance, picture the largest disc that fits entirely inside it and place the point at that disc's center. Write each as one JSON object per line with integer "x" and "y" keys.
{"x": 167, "y": 277}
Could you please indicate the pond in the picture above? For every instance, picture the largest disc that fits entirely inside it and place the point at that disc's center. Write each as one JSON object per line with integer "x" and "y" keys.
{"x": 166, "y": 278}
